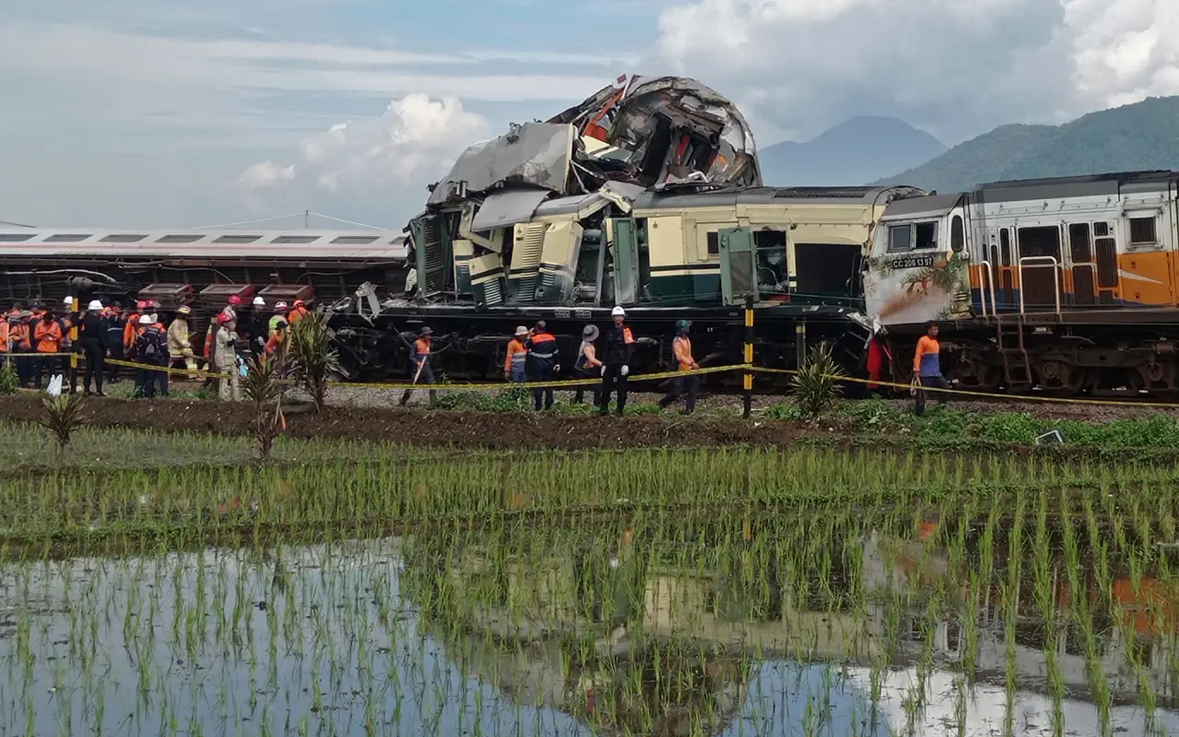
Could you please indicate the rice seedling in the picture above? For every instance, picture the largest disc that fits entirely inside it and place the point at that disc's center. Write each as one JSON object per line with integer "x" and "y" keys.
{"x": 379, "y": 589}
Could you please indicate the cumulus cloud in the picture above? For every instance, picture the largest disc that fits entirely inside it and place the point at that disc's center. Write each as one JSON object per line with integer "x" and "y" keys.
{"x": 957, "y": 68}
{"x": 265, "y": 174}
{"x": 412, "y": 143}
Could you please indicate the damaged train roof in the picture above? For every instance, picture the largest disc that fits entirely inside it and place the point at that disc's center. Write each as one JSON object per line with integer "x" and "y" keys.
{"x": 640, "y": 131}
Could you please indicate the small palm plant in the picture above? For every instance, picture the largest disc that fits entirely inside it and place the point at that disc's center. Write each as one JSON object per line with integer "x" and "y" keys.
{"x": 262, "y": 386}
{"x": 816, "y": 384}
{"x": 62, "y": 414}
{"x": 313, "y": 357}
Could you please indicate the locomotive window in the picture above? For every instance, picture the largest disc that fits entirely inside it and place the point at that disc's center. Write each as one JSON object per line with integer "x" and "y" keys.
{"x": 1078, "y": 237}
{"x": 926, "y": 236}
{"x": 957, "y": 234}
{"x": 713, "y": 244}
{"x": 1142, "y": 231}
{"x": 900, "y": 238}
{"x": 15, "y": 237}
{"x": 1005, "y": 246}
{"x": 1040, "y": 241}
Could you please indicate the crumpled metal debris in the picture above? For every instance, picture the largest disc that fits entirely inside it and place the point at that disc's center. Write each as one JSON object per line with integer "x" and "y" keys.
{"x": 642, "y": 131}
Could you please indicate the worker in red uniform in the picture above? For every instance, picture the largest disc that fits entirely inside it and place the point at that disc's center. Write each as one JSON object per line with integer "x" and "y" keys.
{"x": 517, "y": 356}
{"x": 681, "y": 347}
{"x": 541, "y": 364}
{"x": 419, "y": 356}
{"x": 927, "y": 369}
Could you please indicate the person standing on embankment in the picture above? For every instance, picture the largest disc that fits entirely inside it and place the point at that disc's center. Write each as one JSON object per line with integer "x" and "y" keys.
{"x": 92, "y": 339}
{"x": 542, "y": 363}
{"x": 587, "y": 363}
{"x": 225, "y": 355}
{"x": 620, "y": 346}
{"x": 517, "y": 356}
{"x": 681, "y": 346}
{"x": 419, "y": 355}
{"x": 928, "y": 369}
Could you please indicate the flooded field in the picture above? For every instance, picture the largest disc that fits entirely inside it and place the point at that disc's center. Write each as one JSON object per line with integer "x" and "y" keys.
{"x": 1030, "y": 611}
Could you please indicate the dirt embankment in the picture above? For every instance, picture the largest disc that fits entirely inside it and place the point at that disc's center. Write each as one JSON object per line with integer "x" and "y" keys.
{"x": 433, "y": 427}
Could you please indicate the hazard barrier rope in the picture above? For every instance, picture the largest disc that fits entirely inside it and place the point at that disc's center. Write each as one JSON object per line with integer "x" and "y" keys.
{"x": 658, "y": 376}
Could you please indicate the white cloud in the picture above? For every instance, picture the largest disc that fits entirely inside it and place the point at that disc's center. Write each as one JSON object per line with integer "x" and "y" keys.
{"x": 412, "y": 143}
{"x": 265, "y": 174}
{"x": 957, "y": 67}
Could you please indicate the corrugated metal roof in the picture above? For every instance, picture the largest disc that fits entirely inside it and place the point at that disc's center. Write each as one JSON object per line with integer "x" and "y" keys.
{"x": 298, "y": 245}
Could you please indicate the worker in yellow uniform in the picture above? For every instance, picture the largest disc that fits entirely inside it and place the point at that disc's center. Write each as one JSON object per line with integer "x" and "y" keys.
{"x": 681, "y": 348}
{"x": 517, "y": 356}
{"x": 927, "y": 369}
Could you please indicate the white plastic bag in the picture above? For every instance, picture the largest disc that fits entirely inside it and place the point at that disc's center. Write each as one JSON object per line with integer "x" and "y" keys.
{"x": 54, "y": 385}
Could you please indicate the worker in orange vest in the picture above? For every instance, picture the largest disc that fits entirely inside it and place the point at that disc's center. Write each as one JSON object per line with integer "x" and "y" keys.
{"x": 517, "y": 356}
{"x": 276, "y": 344}
{"x": 131, "y": 328}
{"x": 47, "y": 337}
{"x": 298, "y": 312}
{"x": 681, "y": 347}
{"x": 419, "y": 356}
{"x": 927, "y": 368}
{"x": 20, "y": 336}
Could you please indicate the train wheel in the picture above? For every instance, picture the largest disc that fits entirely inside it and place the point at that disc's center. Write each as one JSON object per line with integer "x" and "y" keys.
{"x": 1059, "y": 378}
{"x": 976, "y": 375}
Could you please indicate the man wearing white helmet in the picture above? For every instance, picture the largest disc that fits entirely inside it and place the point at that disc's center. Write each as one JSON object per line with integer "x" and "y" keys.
{"x": 93, "y": 339}
{"x": 280, "y": 315}
{"x": 620, "y": 346}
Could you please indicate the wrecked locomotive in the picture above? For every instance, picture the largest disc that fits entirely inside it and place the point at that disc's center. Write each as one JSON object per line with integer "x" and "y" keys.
{"x": 648, "y": 195}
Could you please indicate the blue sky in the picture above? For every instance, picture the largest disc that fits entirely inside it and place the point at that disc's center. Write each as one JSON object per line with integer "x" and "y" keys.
{"x": 179, "y": 113}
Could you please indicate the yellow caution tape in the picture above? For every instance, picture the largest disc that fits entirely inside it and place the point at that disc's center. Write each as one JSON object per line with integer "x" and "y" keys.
{"x": 985, "y": 395}
{"x": 595, "y": 380}
{"x": 588, "y": 381}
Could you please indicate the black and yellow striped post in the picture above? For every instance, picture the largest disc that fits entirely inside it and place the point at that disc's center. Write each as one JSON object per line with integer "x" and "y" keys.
{"x": 800, "y": 343}
{"x": 748, "y": 378}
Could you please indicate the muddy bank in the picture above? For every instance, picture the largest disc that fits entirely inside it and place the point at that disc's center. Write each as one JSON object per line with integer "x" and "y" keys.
{"x": 429, "y": 428}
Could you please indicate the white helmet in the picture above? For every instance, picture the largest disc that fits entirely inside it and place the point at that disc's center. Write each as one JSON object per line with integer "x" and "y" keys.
{"x": 617, "y": 311}
{"x": 94, "y": 306}
{"x": 68, "y": 301}
{"x": 145, "y": 320}
{"x": 259, "y": 302}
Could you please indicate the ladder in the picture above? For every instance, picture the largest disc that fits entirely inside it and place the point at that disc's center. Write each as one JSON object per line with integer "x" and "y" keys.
{"x": 1017, "y": 368}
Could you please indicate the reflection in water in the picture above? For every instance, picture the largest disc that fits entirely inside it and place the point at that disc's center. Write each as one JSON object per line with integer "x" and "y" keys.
{"x": 793, "y": 626}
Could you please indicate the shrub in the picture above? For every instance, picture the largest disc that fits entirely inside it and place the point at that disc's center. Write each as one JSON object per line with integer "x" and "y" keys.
{"x": 263, "y": 387}
{"x": 313, "y": 357}
{"x": 816, "y": 384}
{"x": 9, "y": 381}
{"x": 61, "y": 415}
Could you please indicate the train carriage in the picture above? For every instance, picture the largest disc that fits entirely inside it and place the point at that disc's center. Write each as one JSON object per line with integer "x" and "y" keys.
{"x": 1066, "y": 285}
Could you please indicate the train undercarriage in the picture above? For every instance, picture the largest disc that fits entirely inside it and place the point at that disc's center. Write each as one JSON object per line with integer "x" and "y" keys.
{"x": 1128, "y": 353}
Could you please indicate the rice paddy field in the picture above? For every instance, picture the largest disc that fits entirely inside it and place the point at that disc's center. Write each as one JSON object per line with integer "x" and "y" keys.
{"x": 168, "y": 584}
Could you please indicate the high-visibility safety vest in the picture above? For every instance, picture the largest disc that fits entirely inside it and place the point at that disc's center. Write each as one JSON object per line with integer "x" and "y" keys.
{"x": 48, "y": 336}
{"x": 421, "y": 351}
{"x": 682, "y": 347}
{"x": 517, "y": 354}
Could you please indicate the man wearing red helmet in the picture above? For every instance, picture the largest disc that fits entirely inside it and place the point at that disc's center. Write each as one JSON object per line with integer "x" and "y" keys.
{"x": 298, "y": 312}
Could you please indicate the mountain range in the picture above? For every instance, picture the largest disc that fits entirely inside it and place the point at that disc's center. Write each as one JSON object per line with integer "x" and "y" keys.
{"x": 866, "y": 149}
{"x": 1141, "y": 136}
{"x": 856, "y": 151}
